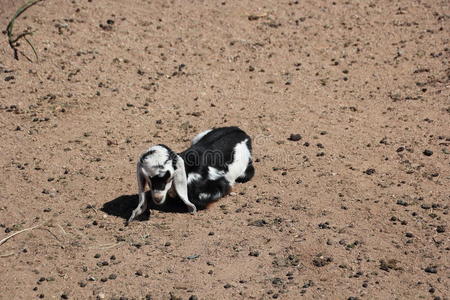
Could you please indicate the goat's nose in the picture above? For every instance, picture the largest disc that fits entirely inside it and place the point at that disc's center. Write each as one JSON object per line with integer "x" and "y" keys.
{"x": 158, "y": 197}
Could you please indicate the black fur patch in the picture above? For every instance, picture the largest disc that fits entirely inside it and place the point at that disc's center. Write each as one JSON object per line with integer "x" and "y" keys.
{"x": 159, "y": 182}
{"x": 145, "y": 155}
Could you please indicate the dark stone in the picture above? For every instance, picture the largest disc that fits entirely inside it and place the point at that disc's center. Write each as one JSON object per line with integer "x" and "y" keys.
{"x": 277, "y": 281}
{"x": 440, "y": 228}
{"x": 427, "y": 152}
{"x": 295, "y": 137}
{"x": 369, "y": 171}
{"x": 431, "y": 269}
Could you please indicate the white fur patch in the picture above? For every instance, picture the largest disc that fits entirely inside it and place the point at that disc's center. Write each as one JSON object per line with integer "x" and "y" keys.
{"x": 242, "y": 157}
{"x": 156, "y": 163}
{"x": 203, "y": 196}
{"x": 214, "y": 174}
{"x": 206, "y": 196}
{"x": 217, "y": 196}
{"x": 193, "y": 177}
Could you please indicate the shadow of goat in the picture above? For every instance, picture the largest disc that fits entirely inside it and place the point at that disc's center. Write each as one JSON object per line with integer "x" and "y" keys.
{"x": 122, "y": 206}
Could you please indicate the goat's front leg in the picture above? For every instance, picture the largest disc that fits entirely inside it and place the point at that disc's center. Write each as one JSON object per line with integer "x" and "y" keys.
{"x": 142, "y": 206}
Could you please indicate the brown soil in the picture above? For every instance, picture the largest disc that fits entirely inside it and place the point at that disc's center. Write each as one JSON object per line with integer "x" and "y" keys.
{"x": 355, "y": 209}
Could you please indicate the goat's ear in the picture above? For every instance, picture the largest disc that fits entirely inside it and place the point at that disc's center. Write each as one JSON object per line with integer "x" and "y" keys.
{"x": 180, "y": 181}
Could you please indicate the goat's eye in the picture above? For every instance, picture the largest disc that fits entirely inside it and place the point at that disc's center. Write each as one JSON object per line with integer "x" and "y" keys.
{"x": 166, "y": 176}
{"x": 159, "y": 181}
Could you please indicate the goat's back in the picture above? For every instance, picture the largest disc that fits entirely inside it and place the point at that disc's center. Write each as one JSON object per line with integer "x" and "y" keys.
{"x": 216, "y": 148}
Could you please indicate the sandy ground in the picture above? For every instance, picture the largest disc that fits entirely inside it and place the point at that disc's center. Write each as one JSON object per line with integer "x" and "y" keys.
{"x": 355, "y": 209}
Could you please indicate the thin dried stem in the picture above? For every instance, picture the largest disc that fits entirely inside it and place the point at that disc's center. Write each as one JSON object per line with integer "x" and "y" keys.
{"x": 7, "y": 254}
{"x": 9, "y": 29}
{"x": 18, "y": 232}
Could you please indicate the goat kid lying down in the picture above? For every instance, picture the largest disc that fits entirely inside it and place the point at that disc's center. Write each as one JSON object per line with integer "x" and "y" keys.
{"x": 200, "y": 175}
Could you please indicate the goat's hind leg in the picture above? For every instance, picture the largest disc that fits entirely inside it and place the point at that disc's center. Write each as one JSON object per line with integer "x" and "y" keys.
{"x": 210, "y": 191}
{"x": 248, "y": 173}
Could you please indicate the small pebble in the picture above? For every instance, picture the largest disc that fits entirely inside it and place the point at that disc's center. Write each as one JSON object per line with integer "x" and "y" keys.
{"x": 427, "y": 152}
{"x": 277, "y": 281}
{"x": 369, "y": 171}
{"x": 295, "y": 137}
{"x": 425, "y": 206}
{"x": 440, "y": 229}
{"x": 82, "y": 283}
{"x": 431, "y": 269}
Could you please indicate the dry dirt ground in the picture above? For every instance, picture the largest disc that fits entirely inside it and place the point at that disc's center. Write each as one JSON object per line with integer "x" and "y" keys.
{"x": 355, "y": 209}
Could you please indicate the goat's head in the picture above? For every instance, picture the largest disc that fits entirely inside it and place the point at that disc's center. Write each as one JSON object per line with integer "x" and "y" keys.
{"x": 159, "y": 165}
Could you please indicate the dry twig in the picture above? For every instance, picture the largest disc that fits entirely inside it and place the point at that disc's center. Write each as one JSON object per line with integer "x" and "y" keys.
{"x": 106, "y": 246}
{"x": 16, "y": 233}
{"x": 13, "y": 40}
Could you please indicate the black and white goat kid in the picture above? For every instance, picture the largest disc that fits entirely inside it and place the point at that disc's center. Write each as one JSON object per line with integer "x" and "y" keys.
{"x": 200, "y": 175}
